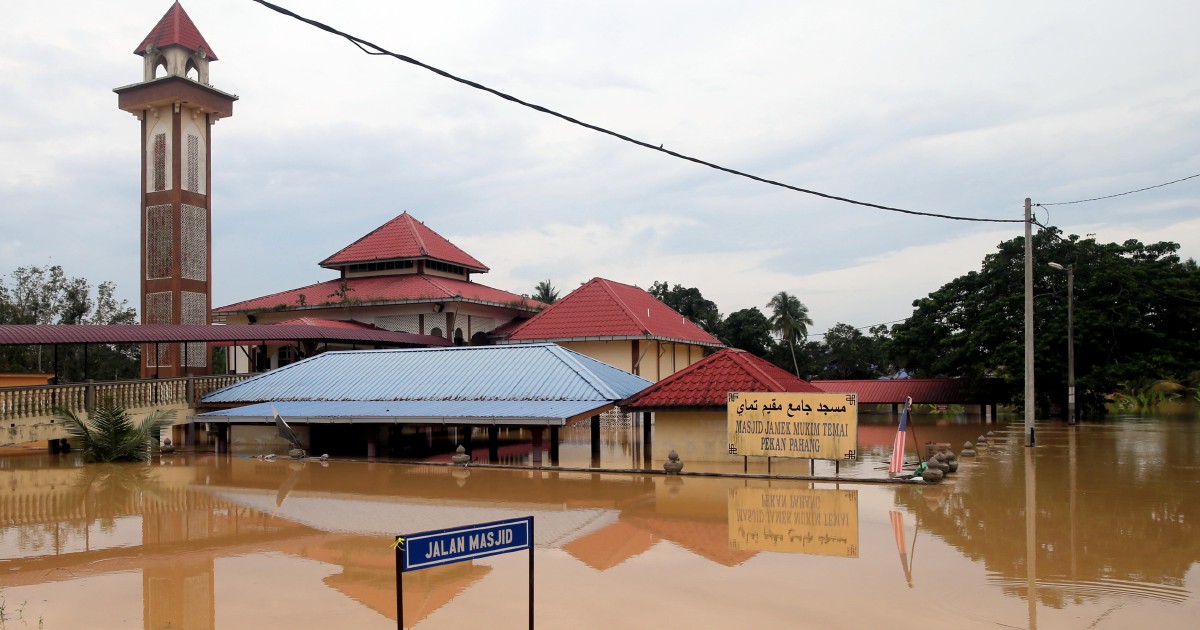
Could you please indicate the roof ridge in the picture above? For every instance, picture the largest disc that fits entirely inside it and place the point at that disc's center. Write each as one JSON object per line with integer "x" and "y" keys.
{"x": 570, "y": 359}
{"x": 416, "y": 233}
{"x": 749, "y": 365}
{"x": 270, "y": 295}
{"x": 606, "y": 285}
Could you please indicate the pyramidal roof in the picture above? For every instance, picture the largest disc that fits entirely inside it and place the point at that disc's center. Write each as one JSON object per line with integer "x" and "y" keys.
{"x": 603, "y": 309}
{"x": 403, "y": 237}
{"x": 176, "y": 28}
{"x": 706, "y": 383}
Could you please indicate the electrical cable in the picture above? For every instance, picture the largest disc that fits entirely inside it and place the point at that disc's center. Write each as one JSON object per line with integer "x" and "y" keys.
{"x": 363, "y": 45}
{"x": 1128, "y": 192}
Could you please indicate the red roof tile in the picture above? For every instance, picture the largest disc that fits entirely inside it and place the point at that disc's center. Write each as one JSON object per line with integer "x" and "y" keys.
{"x": 176, "y": 27}
{"x": 944, "y": 391}
{"x": 606, "y": 309}
{"x": 403, "y": 237}
{"x": 383, "y": 289}
{"x": 707, "y": 382}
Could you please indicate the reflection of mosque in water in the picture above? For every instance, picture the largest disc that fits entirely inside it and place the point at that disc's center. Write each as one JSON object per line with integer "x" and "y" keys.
{"x": 171, "y": 523}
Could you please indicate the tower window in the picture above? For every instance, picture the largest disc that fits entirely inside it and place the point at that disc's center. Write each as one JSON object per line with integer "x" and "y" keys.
{"x": 193, "y": 161}
{"x": 160, "y": 161}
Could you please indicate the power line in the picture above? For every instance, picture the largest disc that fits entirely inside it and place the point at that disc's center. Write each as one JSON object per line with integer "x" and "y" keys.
{"x": 1128, "y": 192}
{"x": 894, "y": 321}
{"x": 364, "y": 45}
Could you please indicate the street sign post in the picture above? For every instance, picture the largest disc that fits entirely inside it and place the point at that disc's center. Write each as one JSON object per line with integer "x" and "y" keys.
{"x": 456, "y": 544}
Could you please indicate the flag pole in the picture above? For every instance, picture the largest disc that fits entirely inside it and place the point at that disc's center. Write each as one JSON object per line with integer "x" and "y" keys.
{"x": 912, "y": 425}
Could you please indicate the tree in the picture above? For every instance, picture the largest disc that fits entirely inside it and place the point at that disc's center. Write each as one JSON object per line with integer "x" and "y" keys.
{"x": 110, "y": 435}
{"x": 749, "y": 330}
{"x": 689, "y": 302}
{"x": 789, "y": 319}
{"x": 847, "y": 353}
{"x": 545, "y": 292}
{"x": 45, "y": 295}
{"x": 1136, "y": 308}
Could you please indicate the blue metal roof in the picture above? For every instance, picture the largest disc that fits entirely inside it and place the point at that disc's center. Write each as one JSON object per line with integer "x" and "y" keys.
{"x": 503, "y": 412}
{"x": 533, "y": 372}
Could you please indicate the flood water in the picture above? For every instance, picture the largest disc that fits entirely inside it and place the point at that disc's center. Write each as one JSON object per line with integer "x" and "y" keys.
{"x": 1096, "y": 527}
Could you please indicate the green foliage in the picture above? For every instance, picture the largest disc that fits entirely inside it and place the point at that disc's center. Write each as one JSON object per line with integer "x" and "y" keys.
{"x": 847, "y": 353}
{"x": 749, "y": 330}
{"x": 790, "y": 320}
{"x": 110, "y": 435}
{"x": 545, "y": 292}
{"x": 45, "y": 295}
{"x": 689, "y": 302}
{"x": 1136, "y": 308}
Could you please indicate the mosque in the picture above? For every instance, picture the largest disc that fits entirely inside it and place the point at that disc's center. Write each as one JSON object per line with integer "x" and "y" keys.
{"x": 402, "y": 276}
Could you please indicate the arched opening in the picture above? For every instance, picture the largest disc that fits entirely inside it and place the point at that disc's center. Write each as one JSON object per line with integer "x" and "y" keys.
{"x": 191, "y": 71}
{"x": 436, "y": 332}
{"x": 458, "y": 337}
{"x": 479, "y": 339}
{"x": 160, "y": 62}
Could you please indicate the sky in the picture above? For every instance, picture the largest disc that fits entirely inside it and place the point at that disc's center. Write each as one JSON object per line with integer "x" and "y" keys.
{"x": 955, "y": 108}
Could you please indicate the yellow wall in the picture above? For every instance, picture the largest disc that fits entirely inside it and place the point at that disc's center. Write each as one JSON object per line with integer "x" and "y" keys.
{"x": 695, "y": 435}
{"x": 615, "y": 353}
{"x": 658, "y": 362}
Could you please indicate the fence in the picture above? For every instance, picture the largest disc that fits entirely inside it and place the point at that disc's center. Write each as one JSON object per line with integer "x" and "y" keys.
{"x": 40, "y": 401}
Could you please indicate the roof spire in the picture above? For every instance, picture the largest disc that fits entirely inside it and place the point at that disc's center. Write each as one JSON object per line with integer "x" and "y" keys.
{"x": 176, "y": 29}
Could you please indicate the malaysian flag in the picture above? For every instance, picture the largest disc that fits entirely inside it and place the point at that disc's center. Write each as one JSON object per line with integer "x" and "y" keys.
{"x": 898, "y": 445}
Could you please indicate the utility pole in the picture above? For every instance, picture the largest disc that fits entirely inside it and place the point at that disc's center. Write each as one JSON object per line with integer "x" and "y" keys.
{"x": 1029, "y": 438}
{"x": 1070, "y": 269}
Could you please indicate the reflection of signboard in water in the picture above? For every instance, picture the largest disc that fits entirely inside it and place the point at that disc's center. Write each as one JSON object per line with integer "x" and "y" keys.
{"x": 791, "y": 424}
{"x": 794, "y": 520}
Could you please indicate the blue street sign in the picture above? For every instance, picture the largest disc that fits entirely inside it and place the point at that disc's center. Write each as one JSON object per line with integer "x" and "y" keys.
{"x": 447, "y": 546}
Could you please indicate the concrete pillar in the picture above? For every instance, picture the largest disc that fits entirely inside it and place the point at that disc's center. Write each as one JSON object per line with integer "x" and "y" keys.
{"x": 554, "y": 446}
{"x": 493, "y": 433}
{"x": 647, "y": 439}
{"x": 537, "y": 445}
{"x": 595, "y": 437}
{"x": 223, "y": 434}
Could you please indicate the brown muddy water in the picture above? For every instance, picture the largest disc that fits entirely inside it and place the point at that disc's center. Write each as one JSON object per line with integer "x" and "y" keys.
{"x": 1096, "y": 527}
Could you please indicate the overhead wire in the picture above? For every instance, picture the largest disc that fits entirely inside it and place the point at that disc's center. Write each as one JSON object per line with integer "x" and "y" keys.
{"x": 1122, "y": 194}
{"x": 374, "y": 49}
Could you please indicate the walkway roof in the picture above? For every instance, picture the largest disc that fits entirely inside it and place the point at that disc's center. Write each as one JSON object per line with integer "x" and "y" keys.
{"x": 541, "y": 384}
{"x": 944, "y": 391}
{"x": 29, "y": 334}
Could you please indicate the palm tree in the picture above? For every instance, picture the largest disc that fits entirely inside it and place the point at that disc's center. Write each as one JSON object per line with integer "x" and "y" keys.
{"x": 109, "y": 434}
{"x": 789, "y": 319}
{"x": 545, "y": 292}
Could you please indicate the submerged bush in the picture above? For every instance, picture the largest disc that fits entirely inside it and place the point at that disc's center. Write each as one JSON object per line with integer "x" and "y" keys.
{"x": 110, "y": 435}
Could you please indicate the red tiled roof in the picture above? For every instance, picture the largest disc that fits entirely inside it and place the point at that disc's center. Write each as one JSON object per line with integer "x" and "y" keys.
{"x": 945, "y": 391}
{"x": 611, "y": 310}
{"x": 383, "y": 289}
{"x": 176, "y": 27}
{"x": 403, "y": 237}
{"x": 707, "y": 382}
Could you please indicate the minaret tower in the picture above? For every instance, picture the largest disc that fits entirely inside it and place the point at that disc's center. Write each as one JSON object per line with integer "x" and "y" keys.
{"x": 177, "y": 108}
